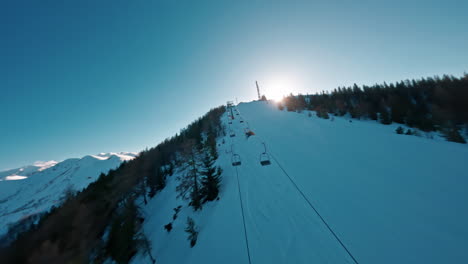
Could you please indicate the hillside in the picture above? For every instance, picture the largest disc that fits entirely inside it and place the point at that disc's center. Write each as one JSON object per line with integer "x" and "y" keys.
{"x": 36, "y": 188}
{"x": 26, "y": 171}
{"x": 338, "y": 190}
{"x": 387, "y": 198}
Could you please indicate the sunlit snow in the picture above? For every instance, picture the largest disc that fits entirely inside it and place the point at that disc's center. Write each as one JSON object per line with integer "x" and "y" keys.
{"x": 45, "y": 182}
{"x": 390, "y": 198}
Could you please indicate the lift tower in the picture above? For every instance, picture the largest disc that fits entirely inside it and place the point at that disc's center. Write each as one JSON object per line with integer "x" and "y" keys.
{"x": 258, "y": 91}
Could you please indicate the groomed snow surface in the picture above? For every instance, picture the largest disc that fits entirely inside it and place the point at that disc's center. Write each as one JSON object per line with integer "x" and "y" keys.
{"x": 36, "y": 188}
{"x": 390, "y": 198}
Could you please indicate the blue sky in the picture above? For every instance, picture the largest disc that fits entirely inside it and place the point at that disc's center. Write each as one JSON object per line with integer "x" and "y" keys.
{"x": 83, "y": 77}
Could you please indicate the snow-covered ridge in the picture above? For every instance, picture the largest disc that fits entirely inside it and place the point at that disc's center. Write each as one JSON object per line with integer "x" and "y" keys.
{"x": 38, "y": 166}
{"x": 122, "y": 155}
{"x": 26, "y": 171}
{"x": 45, "y": 164}
{"x": 36, "y": 188}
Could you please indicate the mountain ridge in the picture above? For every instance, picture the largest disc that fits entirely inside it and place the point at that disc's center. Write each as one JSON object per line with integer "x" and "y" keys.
{"x": 33, "y": 189}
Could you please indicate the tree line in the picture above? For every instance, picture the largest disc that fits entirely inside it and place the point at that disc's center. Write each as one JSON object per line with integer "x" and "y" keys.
{"x": 103, "y": 220}
{"x": 429, "y": 104}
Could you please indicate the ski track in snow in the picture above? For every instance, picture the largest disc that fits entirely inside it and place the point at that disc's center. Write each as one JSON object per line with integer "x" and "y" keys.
{"x": 282, "y": 219}
{"x": 389, "y": 198}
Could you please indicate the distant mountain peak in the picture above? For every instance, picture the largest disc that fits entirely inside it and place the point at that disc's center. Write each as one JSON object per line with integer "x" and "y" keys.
{"x": 45, "y": 164}
{"x": 35, "y": 188}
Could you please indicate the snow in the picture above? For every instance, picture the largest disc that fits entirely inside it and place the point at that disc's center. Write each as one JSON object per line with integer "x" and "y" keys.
{"x": 45, "y": 164}
{"x": 15, "y": 177}
{"x": 27, "y": 171}
{"x": 124, "y": 156}
{"x": 389, "y": 198}
{"x": 42, "y": 185}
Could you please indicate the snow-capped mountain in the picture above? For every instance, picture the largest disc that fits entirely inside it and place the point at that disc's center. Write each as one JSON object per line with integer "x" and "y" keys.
{"x": 35, "y": 188}
{"x": 388, "y": 198}
{"x": 26, "y": 171}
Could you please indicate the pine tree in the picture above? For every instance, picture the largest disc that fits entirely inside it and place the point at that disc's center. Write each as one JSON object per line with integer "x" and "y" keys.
{"x": 211, "y": 176}
{"x": 399, "y": 130}
{"x": 122, "y": 243}
{"x": 280, "y": 106}
{"x": 195, "y": 195}
{"x": 192, "y": 231}
{"x": 322, "y": 113}
{"x": 385, "y": 117}
{"x": 189, "y": 184}
{"x": 454, "y": 136}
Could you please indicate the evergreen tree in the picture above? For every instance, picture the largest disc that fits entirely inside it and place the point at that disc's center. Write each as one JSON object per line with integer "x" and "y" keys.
{"x": 195, "y": 194}
{"x": 192, "y": 231}
{"x": 122, "y": 242}
{"x": 454, "y": 136}
{"x": 385, "y": 118}
{"x": 211, "y": 175}
{"x": 190, "y": 184}
{"x": 399, "y": 130}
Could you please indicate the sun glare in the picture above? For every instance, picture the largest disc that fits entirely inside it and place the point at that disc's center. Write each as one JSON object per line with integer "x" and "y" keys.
{"x": 278, "y": 87}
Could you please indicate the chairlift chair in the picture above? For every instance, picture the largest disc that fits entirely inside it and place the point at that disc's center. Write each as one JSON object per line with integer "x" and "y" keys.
{"x": 232, "y": 134}
{"x": 248, "y": 132}
{"x": 264, "y": 157}
{"x": 235, "y": 160}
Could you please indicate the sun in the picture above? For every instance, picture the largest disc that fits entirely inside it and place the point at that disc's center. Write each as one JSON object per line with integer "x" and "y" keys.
{"x": 277, "y": 87}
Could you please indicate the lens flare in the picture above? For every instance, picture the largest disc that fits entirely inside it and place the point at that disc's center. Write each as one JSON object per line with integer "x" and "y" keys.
{"x": 278, "y": 87}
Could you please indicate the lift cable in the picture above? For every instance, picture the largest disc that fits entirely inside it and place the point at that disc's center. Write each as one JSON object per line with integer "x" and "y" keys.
{"x": 243, "y": 217}
{"x": 315, "y": 210}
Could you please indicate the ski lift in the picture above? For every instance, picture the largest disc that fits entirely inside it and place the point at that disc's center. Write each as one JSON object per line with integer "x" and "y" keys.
{"x": 232, "y": 134}
{"x": 241, "y": 120}
{"x": 248, "y": 132}
{"x": 264, "y": 157}
{"x": 235, "y": 159}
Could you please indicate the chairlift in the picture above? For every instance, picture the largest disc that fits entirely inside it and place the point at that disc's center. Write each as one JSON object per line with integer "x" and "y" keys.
{"x": 235, "y": 160}
{"x": 242, "y": 120}
{"x": 264, "y": 157}
{"x": 248, "y": 132}
{"x": 232, "y": 134}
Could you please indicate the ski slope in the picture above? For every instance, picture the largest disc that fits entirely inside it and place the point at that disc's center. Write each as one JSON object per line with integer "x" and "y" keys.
{"x": 36, "y": 188}
{"x": 378, "y": 197}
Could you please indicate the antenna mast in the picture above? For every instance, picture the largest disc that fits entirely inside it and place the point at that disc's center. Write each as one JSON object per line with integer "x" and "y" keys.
{"x": 258, "y": 91}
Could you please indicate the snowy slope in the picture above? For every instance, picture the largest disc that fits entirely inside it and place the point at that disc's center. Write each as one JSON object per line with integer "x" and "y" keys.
{"x": 387, "y": 198}
{"x": 26, "y": 171}
{"x": 36, "y": 188}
